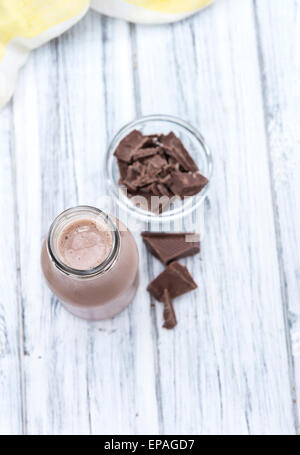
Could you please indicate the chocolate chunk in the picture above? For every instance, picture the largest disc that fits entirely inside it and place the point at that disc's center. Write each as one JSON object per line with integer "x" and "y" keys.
{"x": 122, "y": 169}
{"x": 129, "y": 145}
{"x": 163, "y": 190}
{"x": 182, "y": 269}
{"x": 150, "y": 171}
{"x": 171, "y": 246}
{"x": 166, "y": 180}
{"x": 143, "y": 190}
{"x": 129, "y": 185}
{"x": 148, "y": 189}
{"x": 169, "y": 314}
{"x": 138, "y": 167}
{"x": 157, "y": 162}
{"x": 132, "y": 177}
{"x": 145, "y": 153}
{"x": 144, "y": 180}
{"x": 175, "y": 148}
{"x": 187, "y": 183}
{"x": 176, "y": 278}
{"x": 154, "y": 190}
{"x": 132, "y": 174}
{"x": 173, "y": 164}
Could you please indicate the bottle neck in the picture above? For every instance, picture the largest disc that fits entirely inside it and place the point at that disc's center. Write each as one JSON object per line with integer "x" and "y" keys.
{"x": 74, "y": 215}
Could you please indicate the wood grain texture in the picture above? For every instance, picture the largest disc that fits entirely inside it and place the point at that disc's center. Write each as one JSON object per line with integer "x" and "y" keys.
{"x": 228, "y": 368}
{"x": 278, "y": 34}
{"x": 11, "y": 342}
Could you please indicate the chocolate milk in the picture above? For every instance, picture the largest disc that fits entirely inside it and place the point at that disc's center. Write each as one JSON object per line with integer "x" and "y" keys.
{"x": 84, "y": 245}
{"x": 90, "y": 262}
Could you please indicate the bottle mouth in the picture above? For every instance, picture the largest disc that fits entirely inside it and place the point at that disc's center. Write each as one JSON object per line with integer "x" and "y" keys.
{"x": 76, "y": 214}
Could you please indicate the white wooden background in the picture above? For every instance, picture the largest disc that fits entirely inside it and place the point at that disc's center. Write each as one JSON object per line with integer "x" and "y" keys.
{"x": 232, "y": 366}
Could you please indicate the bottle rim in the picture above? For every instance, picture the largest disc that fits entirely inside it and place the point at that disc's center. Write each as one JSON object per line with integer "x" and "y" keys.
{"x": 64, "y": 219}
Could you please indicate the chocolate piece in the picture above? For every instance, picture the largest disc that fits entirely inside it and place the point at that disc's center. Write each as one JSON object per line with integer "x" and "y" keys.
{"x": 122, "y": 169}
{"x": 182, "y": 269}
{"x": 156, "y": 161}
{"x": 129, "y": 185}
{"x": 175, "y": 148}
{"x": 145, "y": 153}
{"x": 138, "y": 167}
{"x": 129, "y": 145}
{"x": 148, "y": 189}
{"x": 154, "y": 190}
{"x": 187, "y": 183}
{"x": 132, "y": 174}
{"x": 176, "y": 278}
{"x": 163, "y": 190}
{"x": 171, "y": 246}
{"x": 173, "y": 164}
{"x": 169, "y": 314}
{"x": 144, "y": 180}
{"x": 167, "y": 180}
{"x": 150, "y": 172}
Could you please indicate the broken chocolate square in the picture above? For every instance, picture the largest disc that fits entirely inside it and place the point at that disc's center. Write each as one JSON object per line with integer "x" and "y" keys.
{"x": 187, "y": 183}
{"x": 132, "y": 174}
{"x": 169, "y": 314}
{"x": 122, "y": 169}
{"x": 171, "y": 246}
{"x": 156, "y": 161}
{"x": 131, "y": 186}
{"x": 163, "y": 190}
{"x": 176, "y": 278}
{"x": 129, "y": 145}
{"x": 145, "y": 153}
{"x": 138, "y": 167}
{"x": 175, "y": 148}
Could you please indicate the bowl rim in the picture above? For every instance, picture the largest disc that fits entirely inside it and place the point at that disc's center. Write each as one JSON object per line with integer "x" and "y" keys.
{"x": 189, "y": 205}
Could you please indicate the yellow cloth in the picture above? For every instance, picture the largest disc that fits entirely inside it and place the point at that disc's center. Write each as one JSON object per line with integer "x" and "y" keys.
{"x": 27, "y": 24}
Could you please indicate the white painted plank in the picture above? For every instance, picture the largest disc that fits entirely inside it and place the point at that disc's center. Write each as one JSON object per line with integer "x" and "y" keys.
{"x": 279, "y": 34}
{"x": 10, "y": 316}
{"x": 226, "y": 364}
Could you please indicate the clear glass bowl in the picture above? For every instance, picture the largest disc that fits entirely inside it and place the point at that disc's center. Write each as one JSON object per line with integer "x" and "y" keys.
{"x": 194, "y": 143}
